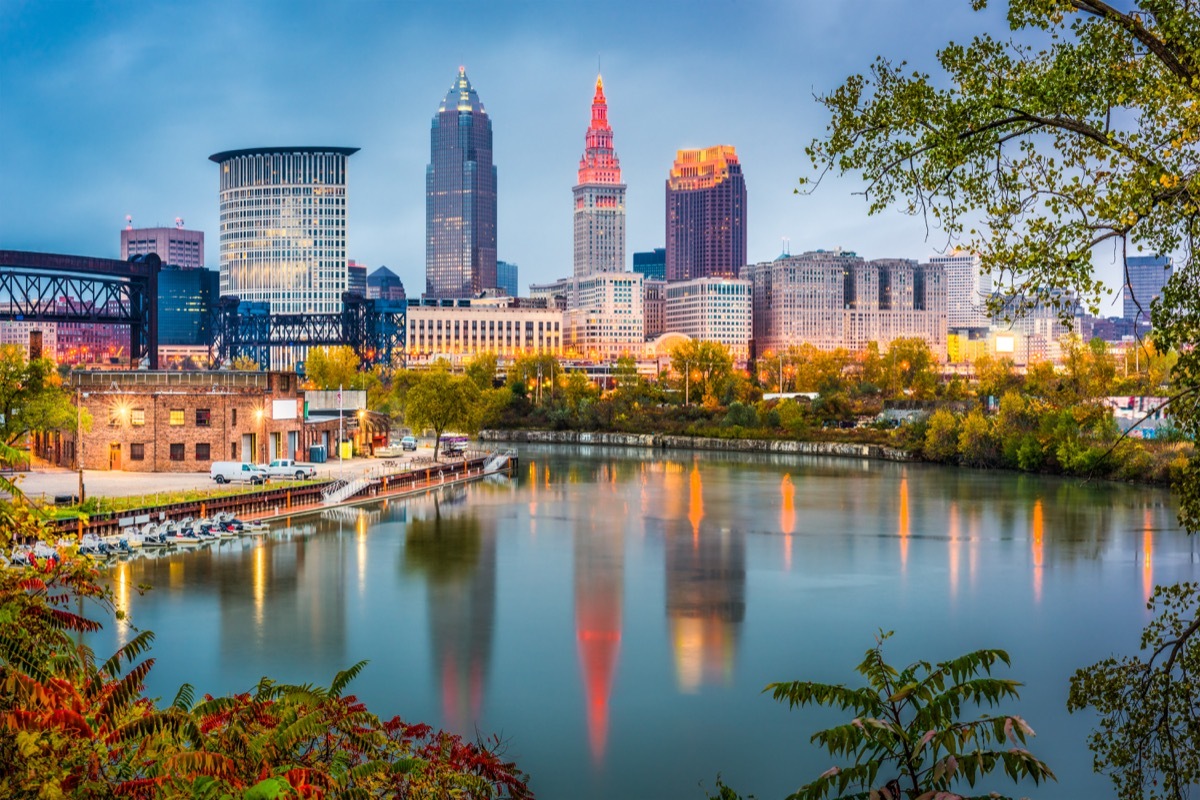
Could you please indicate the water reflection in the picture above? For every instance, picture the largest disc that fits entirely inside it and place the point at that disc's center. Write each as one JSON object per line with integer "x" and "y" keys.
{"x": 599, "y": 553}
{"x": 787, "y": 517}
{"x": 706, "y": 596}
{"x": 457, "y": 557}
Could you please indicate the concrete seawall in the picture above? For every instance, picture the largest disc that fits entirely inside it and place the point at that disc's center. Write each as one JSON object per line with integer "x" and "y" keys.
{"x": 648, "y": 440}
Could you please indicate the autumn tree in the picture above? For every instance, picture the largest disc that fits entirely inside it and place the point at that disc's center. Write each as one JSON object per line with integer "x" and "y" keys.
{"x": 245, "y": 364}
{"x": 329, "y": 368}
{"x": 1077, "y": 131}
{"x": 482, "y": 370}
{"x": 702, "y": 367}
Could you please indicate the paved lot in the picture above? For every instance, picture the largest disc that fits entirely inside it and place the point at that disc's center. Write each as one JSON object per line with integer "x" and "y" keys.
{"x": 102, "y": 483}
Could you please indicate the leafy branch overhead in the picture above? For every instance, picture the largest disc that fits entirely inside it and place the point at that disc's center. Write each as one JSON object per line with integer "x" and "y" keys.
{"x": 1034, "y": 151}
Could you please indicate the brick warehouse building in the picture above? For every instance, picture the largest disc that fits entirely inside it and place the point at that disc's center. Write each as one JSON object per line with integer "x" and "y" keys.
{"x": 159, "y": 421}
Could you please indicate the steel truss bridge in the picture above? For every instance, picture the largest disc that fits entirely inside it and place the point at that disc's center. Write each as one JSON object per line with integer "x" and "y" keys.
{"x": 47, "y": 287}
{"x": 375, "y": 329}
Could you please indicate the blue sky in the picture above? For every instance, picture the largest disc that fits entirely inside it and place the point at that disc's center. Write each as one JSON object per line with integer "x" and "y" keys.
{"x": 112, "y": 108}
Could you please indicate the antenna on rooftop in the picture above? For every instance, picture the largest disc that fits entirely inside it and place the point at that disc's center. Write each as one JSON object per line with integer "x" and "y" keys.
{"x": 128, "y": 222}
{"x": 787, "y": 246}
{"x": 179, "y": 223}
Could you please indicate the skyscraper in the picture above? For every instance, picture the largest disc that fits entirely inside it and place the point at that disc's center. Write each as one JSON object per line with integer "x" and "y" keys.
{"x": 651, "y": 263}
{"x": 1145, "y": 277}
{"x": 460, "y": 197}
{"x": 283, "y": 226}
{"x": 599, "y": 198}
{"x": 706, "y": 215}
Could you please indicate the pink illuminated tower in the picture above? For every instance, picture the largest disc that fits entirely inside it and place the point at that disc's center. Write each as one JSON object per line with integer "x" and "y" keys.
{"x": 599, "y": 198}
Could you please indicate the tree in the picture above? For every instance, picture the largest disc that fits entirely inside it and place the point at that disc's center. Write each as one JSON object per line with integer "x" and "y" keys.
{"x": 1034, "y": 155}
{"x": 995, "y": 376}
{"x": 329, "y": 368}
{"x": 906, "y": 739}
{"x": 245, "y": 364}
{"x": 440, "y": 401}
{"x": 941, "y": 436}
{"x": 702, "y": 367}
{"x": 482, "y": 370}
{"x": 1146, "y": 741}
{"x": 909, "y": 369}
{"x": 32, "y": 396}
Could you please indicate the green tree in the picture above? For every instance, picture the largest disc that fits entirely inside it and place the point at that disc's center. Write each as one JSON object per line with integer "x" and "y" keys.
{"x": 440, "y": 401}
{"x": 538, "y": 372}
{"x": 702, "y": 369}
{"x": 906, "y": 739}
{"x": 482, "y": 370}
{"x": 909, "y": 368}
{"x": 32, "y": 396}
{"x": 941, "y": 436}
{"x": 328, "y": 368}
{"x": 976, "y": 445}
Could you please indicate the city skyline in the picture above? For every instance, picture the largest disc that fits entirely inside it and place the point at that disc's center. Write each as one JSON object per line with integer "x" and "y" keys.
{"x": 217, "y": 84}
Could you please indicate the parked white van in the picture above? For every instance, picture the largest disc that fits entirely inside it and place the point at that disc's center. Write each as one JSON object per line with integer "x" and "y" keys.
{"x": 229, "y": 471}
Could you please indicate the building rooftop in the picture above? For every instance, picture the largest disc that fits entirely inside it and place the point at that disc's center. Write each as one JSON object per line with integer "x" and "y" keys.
{"x": 225, "y": 155}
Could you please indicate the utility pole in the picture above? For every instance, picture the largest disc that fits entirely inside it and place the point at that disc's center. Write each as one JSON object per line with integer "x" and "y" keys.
{"x": 687, "y": 383}
{"x": 79, "y": 438}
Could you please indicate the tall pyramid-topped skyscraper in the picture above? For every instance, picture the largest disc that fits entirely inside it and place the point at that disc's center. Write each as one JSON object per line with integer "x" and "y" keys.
{"x": 460, "y": 197}
{"x": 599, "y": 198}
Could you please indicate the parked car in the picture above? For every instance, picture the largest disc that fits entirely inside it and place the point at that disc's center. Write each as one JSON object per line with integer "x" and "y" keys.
{"x": 230, "y": 471}
{"x": 408, "y": 443}
{"x": 289, "y": 468}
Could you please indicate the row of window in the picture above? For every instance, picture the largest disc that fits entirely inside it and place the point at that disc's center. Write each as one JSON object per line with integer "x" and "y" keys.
{"x": 176, "y": 416}
{"x": 178, "y": 451}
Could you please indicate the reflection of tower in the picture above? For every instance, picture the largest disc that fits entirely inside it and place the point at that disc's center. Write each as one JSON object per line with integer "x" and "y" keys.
{"x": 599, "y": 576}
{"x": 459, "y": 560}
{"x": 706, "y": 596}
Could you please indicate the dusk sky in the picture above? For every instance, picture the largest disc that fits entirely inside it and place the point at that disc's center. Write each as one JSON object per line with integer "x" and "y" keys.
{"x": 112, "y": 108}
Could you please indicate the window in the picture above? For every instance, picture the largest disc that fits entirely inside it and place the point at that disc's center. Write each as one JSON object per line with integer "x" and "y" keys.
{"x": 202, "y": 451}
{"x": 233, "y": 450}
{"x": 137, "y": 416}
{"x": 285, "y": 383}
{"x": 177, "y": 449}
{"x": 203, "y": 417}
{"x": 176, "y": 417}
{"x": 235, "y": 416}
{"x": 137, "y": 451}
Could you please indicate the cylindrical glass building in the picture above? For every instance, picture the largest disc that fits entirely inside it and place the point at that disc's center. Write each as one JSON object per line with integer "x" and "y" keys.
{"x": 283, "y": 226}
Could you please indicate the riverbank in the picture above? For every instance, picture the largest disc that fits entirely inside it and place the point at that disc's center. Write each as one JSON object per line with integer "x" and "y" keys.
{"x": 670, "y": 442}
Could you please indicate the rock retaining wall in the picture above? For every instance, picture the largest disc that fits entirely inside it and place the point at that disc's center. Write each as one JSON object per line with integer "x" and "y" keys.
{"x": 845, "y": 449}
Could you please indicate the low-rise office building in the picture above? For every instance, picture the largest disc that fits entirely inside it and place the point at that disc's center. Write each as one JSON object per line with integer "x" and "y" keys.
{"x": 712, "y": 310}
{"x": 458, "y": 330}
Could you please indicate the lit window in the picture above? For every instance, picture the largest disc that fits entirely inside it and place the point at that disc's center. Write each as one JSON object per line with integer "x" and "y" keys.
{"x": 176, "y": 418}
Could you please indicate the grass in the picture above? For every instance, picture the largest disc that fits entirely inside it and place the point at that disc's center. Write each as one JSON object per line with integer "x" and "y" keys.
{"x": 105, "y": 505}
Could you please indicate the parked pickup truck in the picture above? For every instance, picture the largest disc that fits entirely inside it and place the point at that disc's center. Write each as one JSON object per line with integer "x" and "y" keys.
{"x": 288, "y": 468}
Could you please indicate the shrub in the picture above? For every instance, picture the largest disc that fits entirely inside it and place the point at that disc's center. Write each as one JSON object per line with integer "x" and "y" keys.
{"x": 941, "y": 436}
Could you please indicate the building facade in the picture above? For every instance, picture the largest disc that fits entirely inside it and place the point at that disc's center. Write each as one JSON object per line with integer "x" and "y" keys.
{"x": 654, "y": 308}
{"x": 507, "y": 279}
{"x": 283, "y": 227}
{"x": 712, "y": 310}
{"x": 833, "y": 299}
{"x": 458, "y": 330}
{"x": 599, "y": 197}
{"x": 706, "y": 215}
{"x": 175, "y": 246}
{"x": 604, "y": 316}
{"x": 383, "y": 284}
{"x": 460, "y": 197}
{"x": 967, "y": 290}
{"x": 160, "y": 421}
{"x": 652, "y": 263}
{"x": 1145, "y": 277}
{"x": 356, "y": 278}
{"x": 186, "y": 299}
{"x": 17, "y": 332}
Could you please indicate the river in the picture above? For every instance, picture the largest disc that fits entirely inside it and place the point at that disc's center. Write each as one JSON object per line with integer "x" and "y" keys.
{"x": 613, "y": 614}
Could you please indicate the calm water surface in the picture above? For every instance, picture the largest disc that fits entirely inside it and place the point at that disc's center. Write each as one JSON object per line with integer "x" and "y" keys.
{"x": 615, "y": 615}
